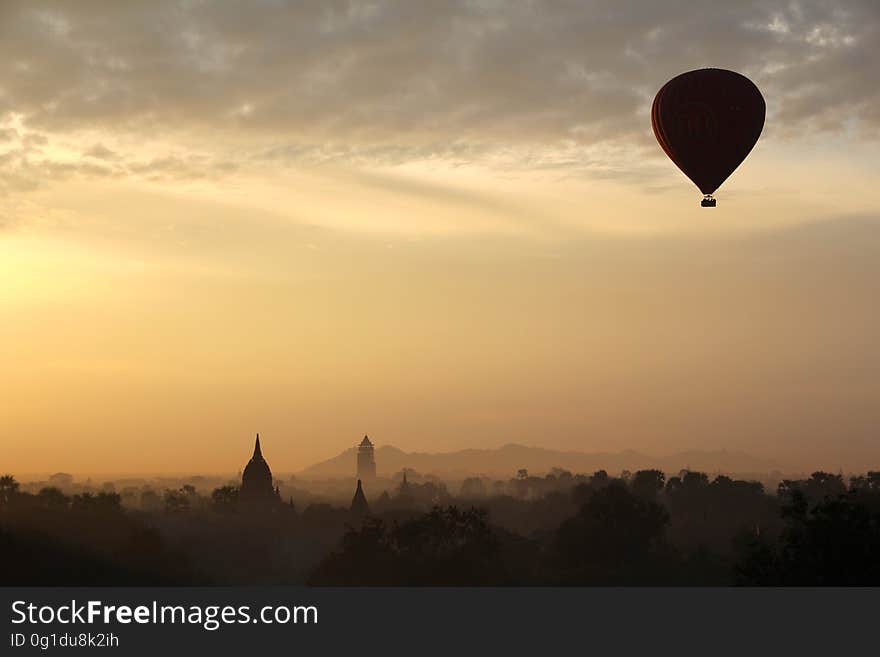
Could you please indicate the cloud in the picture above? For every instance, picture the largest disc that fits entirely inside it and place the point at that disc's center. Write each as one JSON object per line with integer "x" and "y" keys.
{"x": 421, "y": 71}
{"x": 24, "y": 169}
{"x": 180, "y": 167}
{"x": 101, "y": 152}
{"x": 504, "y": 84}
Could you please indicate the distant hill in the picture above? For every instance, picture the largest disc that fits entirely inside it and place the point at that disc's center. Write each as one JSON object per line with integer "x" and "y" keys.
{"x": 505, "y": 461}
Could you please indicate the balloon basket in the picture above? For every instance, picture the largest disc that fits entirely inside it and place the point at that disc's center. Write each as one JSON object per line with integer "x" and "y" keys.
{"x": 708, "y": 201}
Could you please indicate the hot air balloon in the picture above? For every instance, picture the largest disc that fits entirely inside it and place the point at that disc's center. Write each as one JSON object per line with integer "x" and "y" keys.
{"x": 707, "y": 121}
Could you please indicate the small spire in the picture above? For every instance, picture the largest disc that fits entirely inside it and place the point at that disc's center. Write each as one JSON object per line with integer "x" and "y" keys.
{"x": 257, "y": 452}
{"x": 359, "y": 507}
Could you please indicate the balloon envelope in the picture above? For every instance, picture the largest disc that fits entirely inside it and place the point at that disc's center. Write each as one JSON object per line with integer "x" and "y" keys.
{"x": 707, "y": 121}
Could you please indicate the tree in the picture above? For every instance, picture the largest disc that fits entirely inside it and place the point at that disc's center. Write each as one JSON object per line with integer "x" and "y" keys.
{"x": 646, "y": 484}
{"x": 176, "y": 501}
{"x": 599, "y": 479}
{"x": 150, "y": 500}
{"x": 560, "y": 473}
{"x": 444, "y": 547}
{"x": 833, "y": 543}
{"x": 225, "y": 498}
{"x": 473, "y": 487}
{"x": 868, "y": 482}
{"x": 688, "y": 494}
{"x": 52, "y": 498}
{"x": 100, "y": 503}
{"x": 693, "y": 481}
{"x": 615, "y": 538}
{"x": 819, "y": 487}
{"x": 8, "y": 489}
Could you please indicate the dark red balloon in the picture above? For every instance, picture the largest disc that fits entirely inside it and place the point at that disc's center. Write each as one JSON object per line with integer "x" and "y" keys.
{"x": 707, "y": 121}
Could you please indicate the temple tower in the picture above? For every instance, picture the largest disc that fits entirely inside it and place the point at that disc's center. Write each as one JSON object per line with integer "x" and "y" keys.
{"x": 366, "y": 463}
{"x": 256, "y": 481}
{"x": 359, "y": 506}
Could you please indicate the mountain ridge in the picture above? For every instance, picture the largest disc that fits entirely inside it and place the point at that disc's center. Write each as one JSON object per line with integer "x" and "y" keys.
{"x": 507, "y": 459}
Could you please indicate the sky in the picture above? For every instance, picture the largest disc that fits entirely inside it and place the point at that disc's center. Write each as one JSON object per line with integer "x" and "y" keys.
{"x": 447, "y": 225}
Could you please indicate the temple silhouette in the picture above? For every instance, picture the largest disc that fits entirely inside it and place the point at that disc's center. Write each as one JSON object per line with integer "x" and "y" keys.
{"x": 257, "y": 489}
{"x": 359, "y": 507}
{"x": 366, "y": 462}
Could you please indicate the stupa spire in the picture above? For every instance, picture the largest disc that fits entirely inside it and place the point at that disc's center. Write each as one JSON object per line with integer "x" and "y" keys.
{"x": 257, "y": 452}
{"x": 359, "y": 506}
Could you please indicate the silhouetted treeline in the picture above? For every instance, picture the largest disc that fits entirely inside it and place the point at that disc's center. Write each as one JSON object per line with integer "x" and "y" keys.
{"x": 638, "y": 528}
{"x": 831, "y": 536}
{"x": 52, "y": 539}
{"x": 444, "y": 546}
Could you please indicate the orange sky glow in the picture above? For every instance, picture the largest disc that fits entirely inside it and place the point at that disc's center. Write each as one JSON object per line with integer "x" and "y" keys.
{"x": 209, "y": 231}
